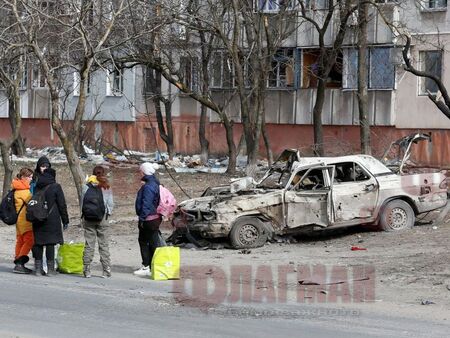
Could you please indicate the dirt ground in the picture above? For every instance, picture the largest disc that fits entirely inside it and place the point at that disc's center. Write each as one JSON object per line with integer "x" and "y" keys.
{"x": 411, "y": 267}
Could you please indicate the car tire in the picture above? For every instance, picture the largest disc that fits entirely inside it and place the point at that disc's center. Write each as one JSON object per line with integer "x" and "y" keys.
{"x": 248, "y": 232}
{"x": 396, "y": 215}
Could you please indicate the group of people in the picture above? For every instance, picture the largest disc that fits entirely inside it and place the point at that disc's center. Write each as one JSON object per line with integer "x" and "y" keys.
{"x": 97, "y": 206}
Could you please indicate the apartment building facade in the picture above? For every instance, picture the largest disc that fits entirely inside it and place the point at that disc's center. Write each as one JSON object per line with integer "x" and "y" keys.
{"x": 120, "y": 111}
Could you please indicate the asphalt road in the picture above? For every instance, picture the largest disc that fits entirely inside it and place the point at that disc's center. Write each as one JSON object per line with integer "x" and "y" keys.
{"x": 126, "y": 306}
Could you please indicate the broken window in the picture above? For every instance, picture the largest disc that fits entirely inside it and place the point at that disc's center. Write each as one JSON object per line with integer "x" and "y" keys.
{"x": 222, "y": 70}
{"x": 309, "y": 180}
{"x": 430, "y": 62}
{"x": 349, "y": 172}
{"x": 282, "y": 72}
{"x": 381, "y": 72}
{"x": 310, "y": 70}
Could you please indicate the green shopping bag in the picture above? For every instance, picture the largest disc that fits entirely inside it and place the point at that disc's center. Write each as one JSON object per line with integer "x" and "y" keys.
{"x": 166, "y": 263}
{"x": 70, "y": 258}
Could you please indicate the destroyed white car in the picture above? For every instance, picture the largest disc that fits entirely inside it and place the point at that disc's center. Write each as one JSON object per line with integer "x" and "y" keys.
{"x": 309, "y": 194}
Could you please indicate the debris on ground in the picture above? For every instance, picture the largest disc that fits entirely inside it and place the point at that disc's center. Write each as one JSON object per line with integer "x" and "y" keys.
{"x": 245, "y": 251}
{"x": 357, "y": 248}
{"x": 427, "y": 302}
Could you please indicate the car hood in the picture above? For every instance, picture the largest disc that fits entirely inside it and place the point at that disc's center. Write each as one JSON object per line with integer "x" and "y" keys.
{"x": 243, "y": 200}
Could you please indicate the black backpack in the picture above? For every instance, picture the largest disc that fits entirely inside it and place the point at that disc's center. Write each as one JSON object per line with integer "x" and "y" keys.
{"x": 37, "y": 207}
{"x": 8, "y": 212}
{"x": 93, "y": 204}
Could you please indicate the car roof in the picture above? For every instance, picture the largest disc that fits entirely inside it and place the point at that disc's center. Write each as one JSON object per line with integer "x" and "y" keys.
{"x": 367, "y": 161}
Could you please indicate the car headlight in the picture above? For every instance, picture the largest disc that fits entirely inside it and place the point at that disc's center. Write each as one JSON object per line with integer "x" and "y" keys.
{"x": 209, "y": 215}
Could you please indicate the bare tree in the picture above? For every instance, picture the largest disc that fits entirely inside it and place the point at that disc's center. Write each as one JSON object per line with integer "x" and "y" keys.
{"x": 338, "y": 12}
{"x": 364, "y": 124}
{"x": 11, "y": 76}
{"x": 68, "y": 38}
{"x": 440, "y": 99}
{"x": 168, "y": 55}
{"x": 251, "y": 37}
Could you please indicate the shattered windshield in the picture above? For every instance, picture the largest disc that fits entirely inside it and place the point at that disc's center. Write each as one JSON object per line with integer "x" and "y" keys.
{"x": 275, "y": 180}
{"x": 280, "y": 171}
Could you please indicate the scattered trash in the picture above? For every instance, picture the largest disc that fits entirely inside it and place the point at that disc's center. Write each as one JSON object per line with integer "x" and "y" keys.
{"x": 325, "y": 292}
{"x": 435, "y": 227}
{"x": 448, "y": 287}
{"x": 245, "y": 251}
{"x": 427, "y": 302}
{"x": 357, "y": 248}
{"x": 319, "y": 281}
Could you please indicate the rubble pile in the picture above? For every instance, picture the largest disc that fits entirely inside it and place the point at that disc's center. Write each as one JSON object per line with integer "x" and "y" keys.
{"x": 179, "y": 163}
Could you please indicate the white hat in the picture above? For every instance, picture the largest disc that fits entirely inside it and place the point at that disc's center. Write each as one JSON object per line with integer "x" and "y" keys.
{"x": 148, "y": 168}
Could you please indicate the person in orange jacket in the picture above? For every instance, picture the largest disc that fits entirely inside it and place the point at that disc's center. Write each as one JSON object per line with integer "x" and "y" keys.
{"x": 24, "y": 228}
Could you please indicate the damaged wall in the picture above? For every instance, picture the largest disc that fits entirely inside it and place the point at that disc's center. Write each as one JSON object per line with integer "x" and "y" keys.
{"x": 339, "y": 140}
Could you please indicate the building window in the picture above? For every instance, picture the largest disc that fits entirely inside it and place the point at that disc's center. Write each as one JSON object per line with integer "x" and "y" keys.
{"x": 430, "y": 5}
{"x": 268, "y": 6}
{"x": 76, "y": 83}
{"x": 114, "y": 82}
{"x": 222, "y": 70}
{"x": 310, "y": 65}
{"x": 430, "y": 62}
{"x": 188, "y": 72}
{"x": 381, "y": 69}
{"x": 282, "y": 72}
{"x": 381, "y": 74}
{"x": 38, "y": 79}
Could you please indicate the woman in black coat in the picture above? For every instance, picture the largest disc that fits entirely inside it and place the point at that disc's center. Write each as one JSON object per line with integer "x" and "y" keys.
{"x": 49, "y": 232}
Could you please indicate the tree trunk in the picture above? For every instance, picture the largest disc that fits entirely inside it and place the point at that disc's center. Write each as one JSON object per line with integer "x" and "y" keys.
{"x": 7, "y": 165}
{"x": 170, "y": 145}
{"x": 74, "y": 165}
{"x": 317, "y": 117}
{"x": 68, "y": 144}
{"x": 161, "y": 127}
{"x": 231, "y": 169}
{"x": 204, "y": 143}
{"x": 241, "y": 148}
{"x": 18, "y": 146}
{"x": 267, "y": 141}
{"x": 364, "y": 123}
{"x": 14, "y": 115}
{"x": 157, "y": 98}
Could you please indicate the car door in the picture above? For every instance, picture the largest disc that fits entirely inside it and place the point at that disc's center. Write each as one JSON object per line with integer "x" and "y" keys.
{"x": 307, "y": 197}
{"x": 354, "y": 193}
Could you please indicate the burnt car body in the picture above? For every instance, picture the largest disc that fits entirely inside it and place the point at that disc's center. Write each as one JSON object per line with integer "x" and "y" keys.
{"x": 311, "y": 193}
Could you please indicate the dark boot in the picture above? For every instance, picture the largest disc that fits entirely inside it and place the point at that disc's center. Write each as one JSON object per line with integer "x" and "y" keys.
{"x": 87, "y": 271}
{"x": 19, "y": 268}
{"x": 51, "y": 268}
{"x": 38, "y": 269}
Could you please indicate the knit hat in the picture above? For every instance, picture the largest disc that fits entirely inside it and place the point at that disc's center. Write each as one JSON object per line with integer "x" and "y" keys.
{"x": 148, "y": 168}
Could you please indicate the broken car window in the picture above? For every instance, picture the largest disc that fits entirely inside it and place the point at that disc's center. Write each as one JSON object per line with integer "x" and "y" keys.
{"x": 314, "y": 180}
{"x": 349, "y": 172}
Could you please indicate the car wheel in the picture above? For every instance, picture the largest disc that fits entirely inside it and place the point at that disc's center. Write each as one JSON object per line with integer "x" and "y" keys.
{"x": 248, "y": 232}
{"x": 396, "y": 215}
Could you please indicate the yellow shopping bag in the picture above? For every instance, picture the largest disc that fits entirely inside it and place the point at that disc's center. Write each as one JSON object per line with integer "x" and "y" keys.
{"x": 166, "y": 263}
